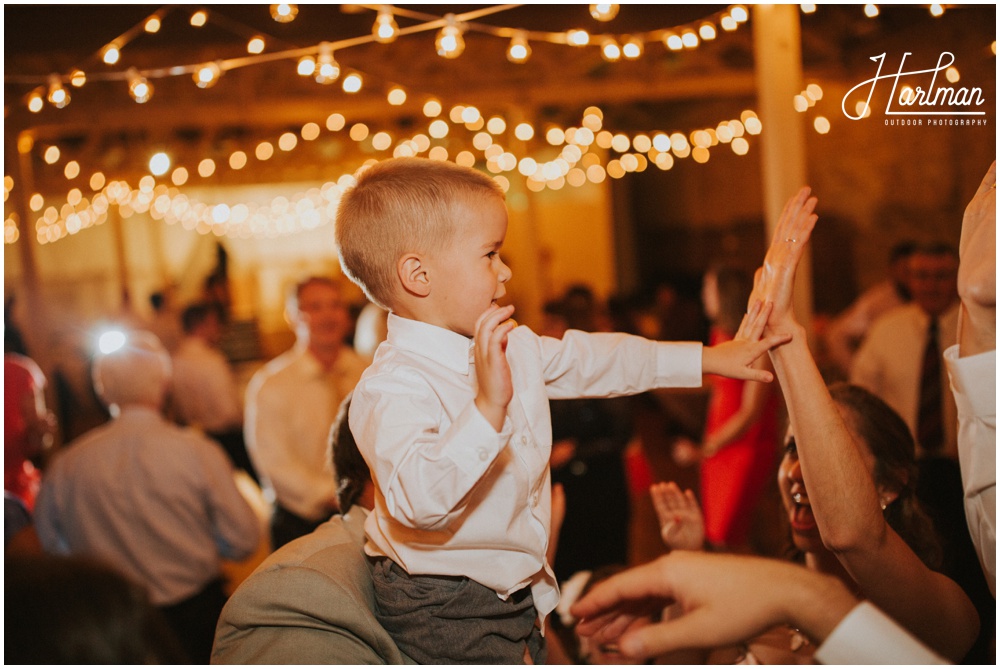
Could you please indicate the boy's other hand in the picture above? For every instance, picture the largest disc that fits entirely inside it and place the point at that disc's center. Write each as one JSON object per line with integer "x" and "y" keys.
{"x": 496, "y": 389}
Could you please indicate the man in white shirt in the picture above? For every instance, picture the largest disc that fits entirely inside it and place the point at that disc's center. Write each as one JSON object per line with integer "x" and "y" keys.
{"x": 972, "y": 365}
{"x": 157, "y": 502}
{"x": 845, "y": 332}
{"x": 290, "y": 405}
{"x": 205, "y": 393}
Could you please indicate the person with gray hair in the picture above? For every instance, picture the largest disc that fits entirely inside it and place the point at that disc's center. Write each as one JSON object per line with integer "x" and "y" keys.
{"x": 155, "y": 501}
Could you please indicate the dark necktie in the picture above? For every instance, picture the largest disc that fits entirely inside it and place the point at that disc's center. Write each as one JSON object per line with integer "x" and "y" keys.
{"x": 930, "y": 425}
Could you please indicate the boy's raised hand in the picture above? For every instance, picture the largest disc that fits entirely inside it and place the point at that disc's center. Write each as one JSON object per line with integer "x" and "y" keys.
{"x": 774, "y": 281}
{"x": 496, "y": 389}
{"x": 736, "y": 358}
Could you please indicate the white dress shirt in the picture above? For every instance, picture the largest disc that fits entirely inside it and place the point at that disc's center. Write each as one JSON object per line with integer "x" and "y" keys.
{"x": 454, "y": 496}
{"x": 155, "y": 501}
{"x": 868, "y": 636}
{"x": 291, "y": 403}
{"x": 845, "y": 332}
{"x": 205, "y": 394}
{"x": 889, "y": 364}
{"x": 973, "y": 381}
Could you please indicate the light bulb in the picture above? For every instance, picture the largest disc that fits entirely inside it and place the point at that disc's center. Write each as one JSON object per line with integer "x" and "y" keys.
{"x": 35, "y": 101}
{"x": 256, "y": 44}
{"x": 871, "y": 11}
{"x": 936, "y": 10}
{"x": 707, "y": 31}
{"x": 578, "y": 37}
{"x": 58, "y": 96}
{"x": 352, "y": 83}
{"x": 140, "y": 89}
{"x": 78, "y": 78}
{"x": 207, "y": 75}
{"x": 604, "y": 12}
{"x": 385, "y": 29}
{"x": 610, "y": 50}
{"x": 284, "y": 13}
{"x": 808, "y": 9}
{"x": 199, "y": 18}
{"x": 739, "y": 12}
{"x": 632, "y": 48}
{"x": 327, "y": 69}
{"x": 152, "y": 24}
{"x": 306, "y": 66}
{"x": 449, "y": 42}
{"x": 111, "y": 53}
{"x": 519, "y": 50}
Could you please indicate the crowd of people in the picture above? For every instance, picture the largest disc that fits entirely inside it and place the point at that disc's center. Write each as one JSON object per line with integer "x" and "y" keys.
{"x": 457, "y": 488}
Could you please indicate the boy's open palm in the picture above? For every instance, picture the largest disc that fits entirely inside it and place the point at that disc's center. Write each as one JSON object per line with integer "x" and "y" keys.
{"x": 496, "y": 389}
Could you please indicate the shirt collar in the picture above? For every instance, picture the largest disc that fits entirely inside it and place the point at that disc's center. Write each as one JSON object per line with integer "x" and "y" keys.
{"x": 430, "y": 341}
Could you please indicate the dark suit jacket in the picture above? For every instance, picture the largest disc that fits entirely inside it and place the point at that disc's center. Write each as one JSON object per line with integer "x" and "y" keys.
{"x": 310, "y": 602}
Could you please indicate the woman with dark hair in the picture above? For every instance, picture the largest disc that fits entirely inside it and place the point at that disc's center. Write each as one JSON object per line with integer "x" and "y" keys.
{"x": 741, "y": 432}
{"x": 852, "y": 479}
{"x": 847, "y": 481}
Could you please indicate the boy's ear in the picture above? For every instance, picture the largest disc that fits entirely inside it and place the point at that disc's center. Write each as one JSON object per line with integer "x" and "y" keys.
{"x": 413, "y": 275}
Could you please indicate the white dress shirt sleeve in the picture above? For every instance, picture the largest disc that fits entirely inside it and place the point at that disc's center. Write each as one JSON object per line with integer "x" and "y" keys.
{"x": 584, "y": 364}
{"x": 868, "y": 636}
{"x": 424, "y": 466}
{"x": 973, "y": 382}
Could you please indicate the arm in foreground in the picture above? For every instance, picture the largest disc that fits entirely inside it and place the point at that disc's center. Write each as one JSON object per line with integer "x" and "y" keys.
{"x": 726, "y": 599}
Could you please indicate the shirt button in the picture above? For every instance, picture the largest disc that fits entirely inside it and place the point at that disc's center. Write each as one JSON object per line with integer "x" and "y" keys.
{"x": 524, "y": 441}
{"x": 484, "y": 454}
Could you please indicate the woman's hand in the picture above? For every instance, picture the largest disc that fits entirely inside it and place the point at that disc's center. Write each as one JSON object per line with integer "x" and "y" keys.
{"x": 774, "y": 281}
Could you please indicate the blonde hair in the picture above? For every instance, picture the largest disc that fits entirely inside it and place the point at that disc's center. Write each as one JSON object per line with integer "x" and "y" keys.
{"x": 398, "y": 206}
{"x": 137, "y": 373}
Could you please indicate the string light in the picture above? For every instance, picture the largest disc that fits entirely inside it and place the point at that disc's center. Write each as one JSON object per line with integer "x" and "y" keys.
{"x": 111, "y": 53}
{"x": 385, "y": 29}
{"x": 284, "y": 13}
{"x": 808, "y": 9}
{"x": 152, "y": 24}
{"x": 449, "y": 42}
{"x": 936, "y": 10}
{"x": 207, "y": 75}
{"x": 306, "y": 66}
{"x": 78, "y": 78}
{"x": 199, "y": 18}
{"x": 673, "y": 41}
{"x": 707, "y": 31}
{"x": 739, "y": 12}
{"x": 690, "y": 39}
{"x": 58, "y": 96}
{"x": 632, "y": 48}
{"x": 871, "y": 11}
{"x": 256, "y": 45}
{"x": 396, "y": 96}
{"x": 352, "y": 83}
{"x": 327, "y": 69}
{"x": 604, "y": 12}
{"x": 159, "y": 164}
{"x": 138, "y": 87}
{"x": 578, "y": 37}
{"x": 519, "y": 50}
{"x": 610, "y": 50}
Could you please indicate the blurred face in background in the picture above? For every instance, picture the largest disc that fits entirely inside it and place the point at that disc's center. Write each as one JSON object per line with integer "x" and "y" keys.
{"x": 321, "y": 317}
{"x": 933, "y": 281}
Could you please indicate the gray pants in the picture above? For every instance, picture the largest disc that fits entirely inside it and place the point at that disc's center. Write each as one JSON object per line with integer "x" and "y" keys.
{"x": 453, "y": 619}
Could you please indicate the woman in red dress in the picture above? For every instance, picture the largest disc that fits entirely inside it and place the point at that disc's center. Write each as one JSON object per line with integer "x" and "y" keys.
{"x": 740, "y": 446}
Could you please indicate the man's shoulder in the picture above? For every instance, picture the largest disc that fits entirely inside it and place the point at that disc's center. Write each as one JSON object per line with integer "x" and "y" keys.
{"x": 891, "y": 322}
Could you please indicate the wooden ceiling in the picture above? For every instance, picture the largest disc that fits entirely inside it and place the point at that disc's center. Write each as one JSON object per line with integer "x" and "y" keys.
{"x": 263, "y": 100}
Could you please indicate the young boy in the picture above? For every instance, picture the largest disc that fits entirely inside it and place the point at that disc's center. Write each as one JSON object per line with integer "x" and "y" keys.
{"x": 453, "y": 416}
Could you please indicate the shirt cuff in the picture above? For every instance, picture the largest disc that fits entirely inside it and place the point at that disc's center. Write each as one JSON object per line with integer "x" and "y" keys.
{"x": 678, "y": 364}
{"x": 868, "y": 636}
{"x": 483, "y": 440}
{"x": 973, "y": 380}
